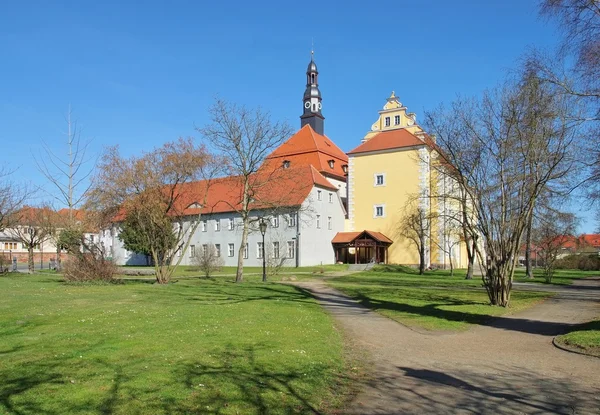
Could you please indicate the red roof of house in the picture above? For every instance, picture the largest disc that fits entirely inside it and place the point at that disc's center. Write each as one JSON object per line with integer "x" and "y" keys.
{"x": 347, "y": 237}
{"x": 592, "y": 239}
{"x": 307, "y": 147}
{"x": 387, "y": 140}
{"x": 279, "y": 188}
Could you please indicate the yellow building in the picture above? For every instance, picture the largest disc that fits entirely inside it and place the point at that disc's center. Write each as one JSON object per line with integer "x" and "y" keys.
{"x": 389, "y": 176}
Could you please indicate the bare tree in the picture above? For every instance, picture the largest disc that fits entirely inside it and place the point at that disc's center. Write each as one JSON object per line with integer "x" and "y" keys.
{"x": 68, "y": 176}
{"x": 505, "y": 149}
{"x": 208, "y": 260}
{"x": 245, "y": 137}
{"x": 12, "y": 197}
{"x": 160, "y": 194}
{"x": 415, "y": 226}
{"x": 32, "y": 226}
{"x": 449, "y": 234}
{"x": 553, "y": 229}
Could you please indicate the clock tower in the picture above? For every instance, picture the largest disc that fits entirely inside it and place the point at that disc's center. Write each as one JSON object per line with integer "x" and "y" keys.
{"x": 312, "y": 100}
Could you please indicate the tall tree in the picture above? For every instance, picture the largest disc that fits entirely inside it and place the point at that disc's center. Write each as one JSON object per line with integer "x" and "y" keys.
{"x": 158, "y": 193}
{"x": 68, "y": 175}
{"x": 244, "y": 137}
{"x": 504, "y": 149}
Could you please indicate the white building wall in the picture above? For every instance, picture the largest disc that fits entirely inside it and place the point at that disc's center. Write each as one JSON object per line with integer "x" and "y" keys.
{"x": 315, "y": 241}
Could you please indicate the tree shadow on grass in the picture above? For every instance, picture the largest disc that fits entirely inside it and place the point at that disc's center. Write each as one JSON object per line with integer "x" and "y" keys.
{"x": 434, "y": 309}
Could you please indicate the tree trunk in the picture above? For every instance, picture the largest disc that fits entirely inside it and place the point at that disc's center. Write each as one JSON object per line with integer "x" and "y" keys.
{"x": 422, "y": 259}
{"x": 528, "y": 268}
{"x": 239, "y": 274}
{"x": 58, "y": 258}
{"x": 497, "y": 281}
{"x": 30, "y": 258}
{"x": 451, "y": 265}
{"x": 471, "y": 259}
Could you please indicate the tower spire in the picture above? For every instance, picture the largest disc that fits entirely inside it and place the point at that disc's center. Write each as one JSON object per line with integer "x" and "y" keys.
{"x": 312, "y": 98}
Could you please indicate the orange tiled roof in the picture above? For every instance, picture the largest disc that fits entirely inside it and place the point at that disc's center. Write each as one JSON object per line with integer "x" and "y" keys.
{"x": 281, "y": 188}
{"x": 308, "y": 147}
{"x": 387, "y": 140}
{"x": 347, "y": 237}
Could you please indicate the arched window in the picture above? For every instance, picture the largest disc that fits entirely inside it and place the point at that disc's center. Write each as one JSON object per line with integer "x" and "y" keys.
{"x": 312, "y": 78}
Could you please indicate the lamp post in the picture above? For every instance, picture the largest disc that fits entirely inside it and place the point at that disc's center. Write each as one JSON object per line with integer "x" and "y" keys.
{"x": 263, "y": 229}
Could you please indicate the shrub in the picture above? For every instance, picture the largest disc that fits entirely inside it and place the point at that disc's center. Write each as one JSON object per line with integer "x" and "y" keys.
{"x": 207, "y": 261}
{"x": 88, "y": 268}
{"x": 5, "y": 263}
{"x": 581, "y": 262}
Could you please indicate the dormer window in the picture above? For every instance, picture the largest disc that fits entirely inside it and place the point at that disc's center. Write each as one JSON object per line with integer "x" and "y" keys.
{"x": 331, "y": 163}
{"x": 286, "y": 164}
{"x": 345, "y": 168}
{"x": 387, "y": 121}
{"x": 397, "y": 120}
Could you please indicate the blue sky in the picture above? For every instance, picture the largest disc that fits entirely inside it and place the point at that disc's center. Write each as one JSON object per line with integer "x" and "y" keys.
{"x": 138, "y": 74}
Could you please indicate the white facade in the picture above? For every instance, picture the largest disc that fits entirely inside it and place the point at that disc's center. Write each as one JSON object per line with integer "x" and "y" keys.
{"x": 295, "y": 237}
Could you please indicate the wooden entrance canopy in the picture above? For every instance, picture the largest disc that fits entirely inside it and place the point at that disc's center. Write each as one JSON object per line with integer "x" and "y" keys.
{"x": 361, "y": 247}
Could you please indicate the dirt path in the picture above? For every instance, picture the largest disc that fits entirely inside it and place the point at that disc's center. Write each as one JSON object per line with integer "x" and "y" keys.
{"x": 508, "y": 366}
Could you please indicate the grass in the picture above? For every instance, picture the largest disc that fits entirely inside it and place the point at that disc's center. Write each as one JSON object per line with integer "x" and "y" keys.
{"x": 191, "y": 271}
{"x": 195, "y": 346}
{"x": 585, "y": 338}
{"x": 561, "y": 277}
{"x": 434, "y": 301}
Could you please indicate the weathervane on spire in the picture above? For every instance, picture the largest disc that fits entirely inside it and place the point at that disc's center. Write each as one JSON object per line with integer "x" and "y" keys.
{"x": 312, "y": 48}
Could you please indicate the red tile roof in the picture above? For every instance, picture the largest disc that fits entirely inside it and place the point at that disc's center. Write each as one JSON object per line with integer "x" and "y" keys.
{"x": 387, "y": 140}
{"x": 308, "y": 147}
{"x": 279, "y": 188}
{"x": 347, "y": 237}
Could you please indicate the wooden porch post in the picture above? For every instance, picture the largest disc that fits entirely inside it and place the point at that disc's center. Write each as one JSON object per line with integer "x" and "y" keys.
{"x": 356, "y": 255}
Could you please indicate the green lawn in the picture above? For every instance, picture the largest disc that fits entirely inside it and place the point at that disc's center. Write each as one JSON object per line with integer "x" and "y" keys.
{"x": 434, "y": 301}
{"x": 195, "y": 346}
{"x": 586, "y": 338}
{"x": 561, "y": 277}
{"x": 318, "y": 270}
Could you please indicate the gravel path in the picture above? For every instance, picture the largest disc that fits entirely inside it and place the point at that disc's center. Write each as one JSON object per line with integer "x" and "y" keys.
{"x": 505, "y": 367}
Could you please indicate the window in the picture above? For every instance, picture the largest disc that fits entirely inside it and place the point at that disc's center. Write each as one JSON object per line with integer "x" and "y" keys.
{"x": 330, "y": 197}
{"x": 397, "y": 120}
{"x": 230, "y": 249}
{"x": 204, "y": 250}
{"x": 378, "y": 211}
{"x": 331, "y": 163}
{"x": 204, "y": 223}
{"x": 318, "y": 221}
{"x": 246, "y": 251}
{"x": 329, "y": 222}
{"x": 379, "y": 179}
{"x": 217, "y": 225}
{"x": 218, "y": 250}
{"x": 275, "y": 250}
{"x": 319, "y": 195}
{"x": 312, "y": 78}
{"x": 286, "y": 164}
{"x": 178, "y": 252}
{"x": 92, "y": 238}
{"x": 192, "y": 251}
{"x": 292, "y": 220}
{"x": 231, "y": 224}
{"x": 259, "y": 250}
{"x": 275, "y": 221}
{"x": 387, "y": 121}
{"x": 291, "y": 249}
{"x": 10, "y": 245}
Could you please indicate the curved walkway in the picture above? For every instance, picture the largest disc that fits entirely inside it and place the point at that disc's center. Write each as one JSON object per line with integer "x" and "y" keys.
{"x": 508, "y": 366}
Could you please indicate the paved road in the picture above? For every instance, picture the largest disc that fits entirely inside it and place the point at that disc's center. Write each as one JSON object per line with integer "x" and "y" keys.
{"x": 505, "y": 367}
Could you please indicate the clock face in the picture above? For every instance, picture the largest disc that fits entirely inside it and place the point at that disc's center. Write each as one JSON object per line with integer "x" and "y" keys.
{"x": 307, "y": 104}
{"x": 319, "y": 105}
